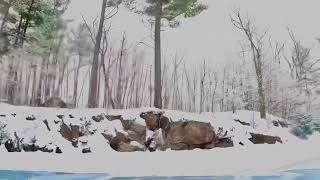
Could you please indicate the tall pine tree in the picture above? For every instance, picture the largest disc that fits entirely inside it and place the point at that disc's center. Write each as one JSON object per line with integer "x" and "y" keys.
{"x": 168, "y": 10}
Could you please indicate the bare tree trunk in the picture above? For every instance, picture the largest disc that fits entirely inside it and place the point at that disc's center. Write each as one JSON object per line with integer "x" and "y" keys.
{"x": 157, "y": 57}
{"x": 194, "y": 91}
{"x": 92, "y": 101}
{"x": 256, "y": 43}
{"x": 120, "y": 74}
{"x": 61, "y": 76}
{"x": 214, "y": 92}
{"x": 106, "y": 72}
{"x": 262, "y": 98}
{"x": 18, "y": 31}
{"x": 26, "y": 25}
{"x": 38, "y": 98}
{"x": 19, "y": 93}
{"x": 202, "y": 86}
{"x": 11, "y": 83}
{"x": 150, "y": 86}
{"x": 76, "y": 78}
{"x": 34, "y": 86}
{"x": 188, "y": 89}
{"x": 26, "y": 90}
{"x": 47, "y": 83}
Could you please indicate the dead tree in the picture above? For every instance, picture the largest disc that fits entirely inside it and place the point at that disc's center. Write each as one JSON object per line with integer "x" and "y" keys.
{"x": 202, "y": 84}
{"x": 255, "y": 41}
{"x": 93, "y": 91}
{"x": 303, "y": 68}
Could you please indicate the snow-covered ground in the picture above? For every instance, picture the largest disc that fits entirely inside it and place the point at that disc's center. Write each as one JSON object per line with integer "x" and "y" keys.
{"x": 253, "y": 160}
{"x": 238, "y": 160}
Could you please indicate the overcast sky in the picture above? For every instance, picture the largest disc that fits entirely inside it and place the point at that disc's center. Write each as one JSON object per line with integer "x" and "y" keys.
{"x": 211, "y": 35}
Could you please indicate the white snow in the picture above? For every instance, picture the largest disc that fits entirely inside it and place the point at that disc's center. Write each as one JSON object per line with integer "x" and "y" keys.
{"x": 248, "y": 159}
{"x": 253, "y": 160}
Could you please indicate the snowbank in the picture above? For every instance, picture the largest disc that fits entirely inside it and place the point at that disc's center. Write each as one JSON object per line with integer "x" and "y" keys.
{"x": 238, "y": 126}
{"x": 238, "y": 160}
{"x": 253, "y": 160}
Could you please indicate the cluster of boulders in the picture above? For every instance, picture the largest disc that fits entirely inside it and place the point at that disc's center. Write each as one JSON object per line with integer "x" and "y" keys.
{"x": 189, "y": 135}
{"x": 158, "y": 133}
{"x": 17, "y": 146}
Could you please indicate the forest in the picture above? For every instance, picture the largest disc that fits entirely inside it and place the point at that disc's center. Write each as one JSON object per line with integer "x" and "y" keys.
{"x": 42, "y": 57}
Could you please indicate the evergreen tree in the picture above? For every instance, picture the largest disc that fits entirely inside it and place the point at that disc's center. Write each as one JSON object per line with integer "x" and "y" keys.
{"x": 160, "y": 10}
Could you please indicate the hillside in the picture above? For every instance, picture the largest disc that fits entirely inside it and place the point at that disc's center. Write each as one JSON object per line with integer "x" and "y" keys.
{"x": 28, "y": 123}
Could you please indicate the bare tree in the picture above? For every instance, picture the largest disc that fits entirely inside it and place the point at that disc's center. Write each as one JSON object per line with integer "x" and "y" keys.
{"x": 255, "y": 41}
{"x": 93, "y": 91}
{"x": 303, "y": 68}
{"x": 202, "y": 84}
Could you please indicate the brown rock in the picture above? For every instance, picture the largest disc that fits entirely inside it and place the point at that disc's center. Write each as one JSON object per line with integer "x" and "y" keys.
{"x": 121, "y": 143}
{"x": 54, "y": 102}
{"x": 70, "y": 133}
{"x": 119, "y": 138}
{"x": 113, "y": 117}
{"x": 264, "y": 139}
{"x": 189, "y": 135}
{"x": 152, "y": 120}
{"x": 192, "y": 132}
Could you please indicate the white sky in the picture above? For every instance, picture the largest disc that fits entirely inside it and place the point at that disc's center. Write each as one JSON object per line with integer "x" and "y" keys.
{"x": 211, "y": 35}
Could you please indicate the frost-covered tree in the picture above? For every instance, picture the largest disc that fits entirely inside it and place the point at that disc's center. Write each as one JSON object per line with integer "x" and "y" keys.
{"x": 255, "y": 42}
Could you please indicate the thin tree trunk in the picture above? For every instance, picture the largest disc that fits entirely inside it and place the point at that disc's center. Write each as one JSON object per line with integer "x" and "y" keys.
{"x": 92, "y": 101}
{"x": 11, "y": 83}
{"x": 60, "y": 81}
{"x": 76, "y": 78}
{"x": 26, "y": 25}
{"x": 119, "y": 87}
{"x": 34, "y": 85}
{"x": 157, "y": 57}
{"x": 18, "y": 31}
{"x": 26, "y": 90}
{"x": 40, "y": 84}
{"x": 261, "y": 94}
{"x": 106, "y": 79}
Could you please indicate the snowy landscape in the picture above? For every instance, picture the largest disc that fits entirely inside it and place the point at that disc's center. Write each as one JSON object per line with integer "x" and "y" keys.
{"x": 76, "y": 141}
{"x": 159, "y": 88}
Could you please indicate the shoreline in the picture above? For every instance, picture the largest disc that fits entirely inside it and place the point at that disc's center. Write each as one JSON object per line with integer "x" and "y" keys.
{"x": 273, "y": 159}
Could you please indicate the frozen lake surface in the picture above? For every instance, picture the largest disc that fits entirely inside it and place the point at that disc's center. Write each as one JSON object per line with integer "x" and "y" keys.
{"x": 28, "y": 175}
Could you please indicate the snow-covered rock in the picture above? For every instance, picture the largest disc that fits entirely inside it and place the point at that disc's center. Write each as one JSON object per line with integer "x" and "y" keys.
{"x": 42, "y": 126}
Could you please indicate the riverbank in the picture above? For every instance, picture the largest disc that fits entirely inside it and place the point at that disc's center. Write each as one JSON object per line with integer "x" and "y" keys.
{"x": 253, "y": 160}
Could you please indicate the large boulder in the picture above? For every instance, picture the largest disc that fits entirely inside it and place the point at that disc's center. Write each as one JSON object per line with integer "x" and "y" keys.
{"x": 54, "y": 102}
{"x": 181, "y": 135}
{"x": 155, "y": 120}
{"x": 152, "y": 120}
{"x": 264, "y": 139}
{"x": 188, "y": 135}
